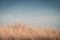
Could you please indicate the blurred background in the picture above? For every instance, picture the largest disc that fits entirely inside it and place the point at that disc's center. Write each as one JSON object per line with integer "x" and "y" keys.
{"x": 44, "y": 13}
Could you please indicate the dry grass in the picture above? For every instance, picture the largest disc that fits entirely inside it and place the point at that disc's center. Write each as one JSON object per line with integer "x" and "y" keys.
{"x": 22, "y": 32}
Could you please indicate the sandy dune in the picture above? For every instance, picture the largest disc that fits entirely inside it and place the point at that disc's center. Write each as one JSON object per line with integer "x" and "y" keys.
{"x": 23, "y": 32}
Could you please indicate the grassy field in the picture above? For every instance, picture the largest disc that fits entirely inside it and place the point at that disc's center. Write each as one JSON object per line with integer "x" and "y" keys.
{"x": 23, "y": 32}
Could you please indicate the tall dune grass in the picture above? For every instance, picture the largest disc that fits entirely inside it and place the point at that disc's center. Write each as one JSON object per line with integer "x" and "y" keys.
{"x": 22, "y": 32}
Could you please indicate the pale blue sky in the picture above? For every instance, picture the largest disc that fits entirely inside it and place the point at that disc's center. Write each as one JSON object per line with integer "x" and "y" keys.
{"x": 30, "y": 12}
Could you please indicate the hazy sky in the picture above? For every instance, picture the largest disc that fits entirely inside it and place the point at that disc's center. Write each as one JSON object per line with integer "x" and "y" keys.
{"x": 31, "y": 12}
